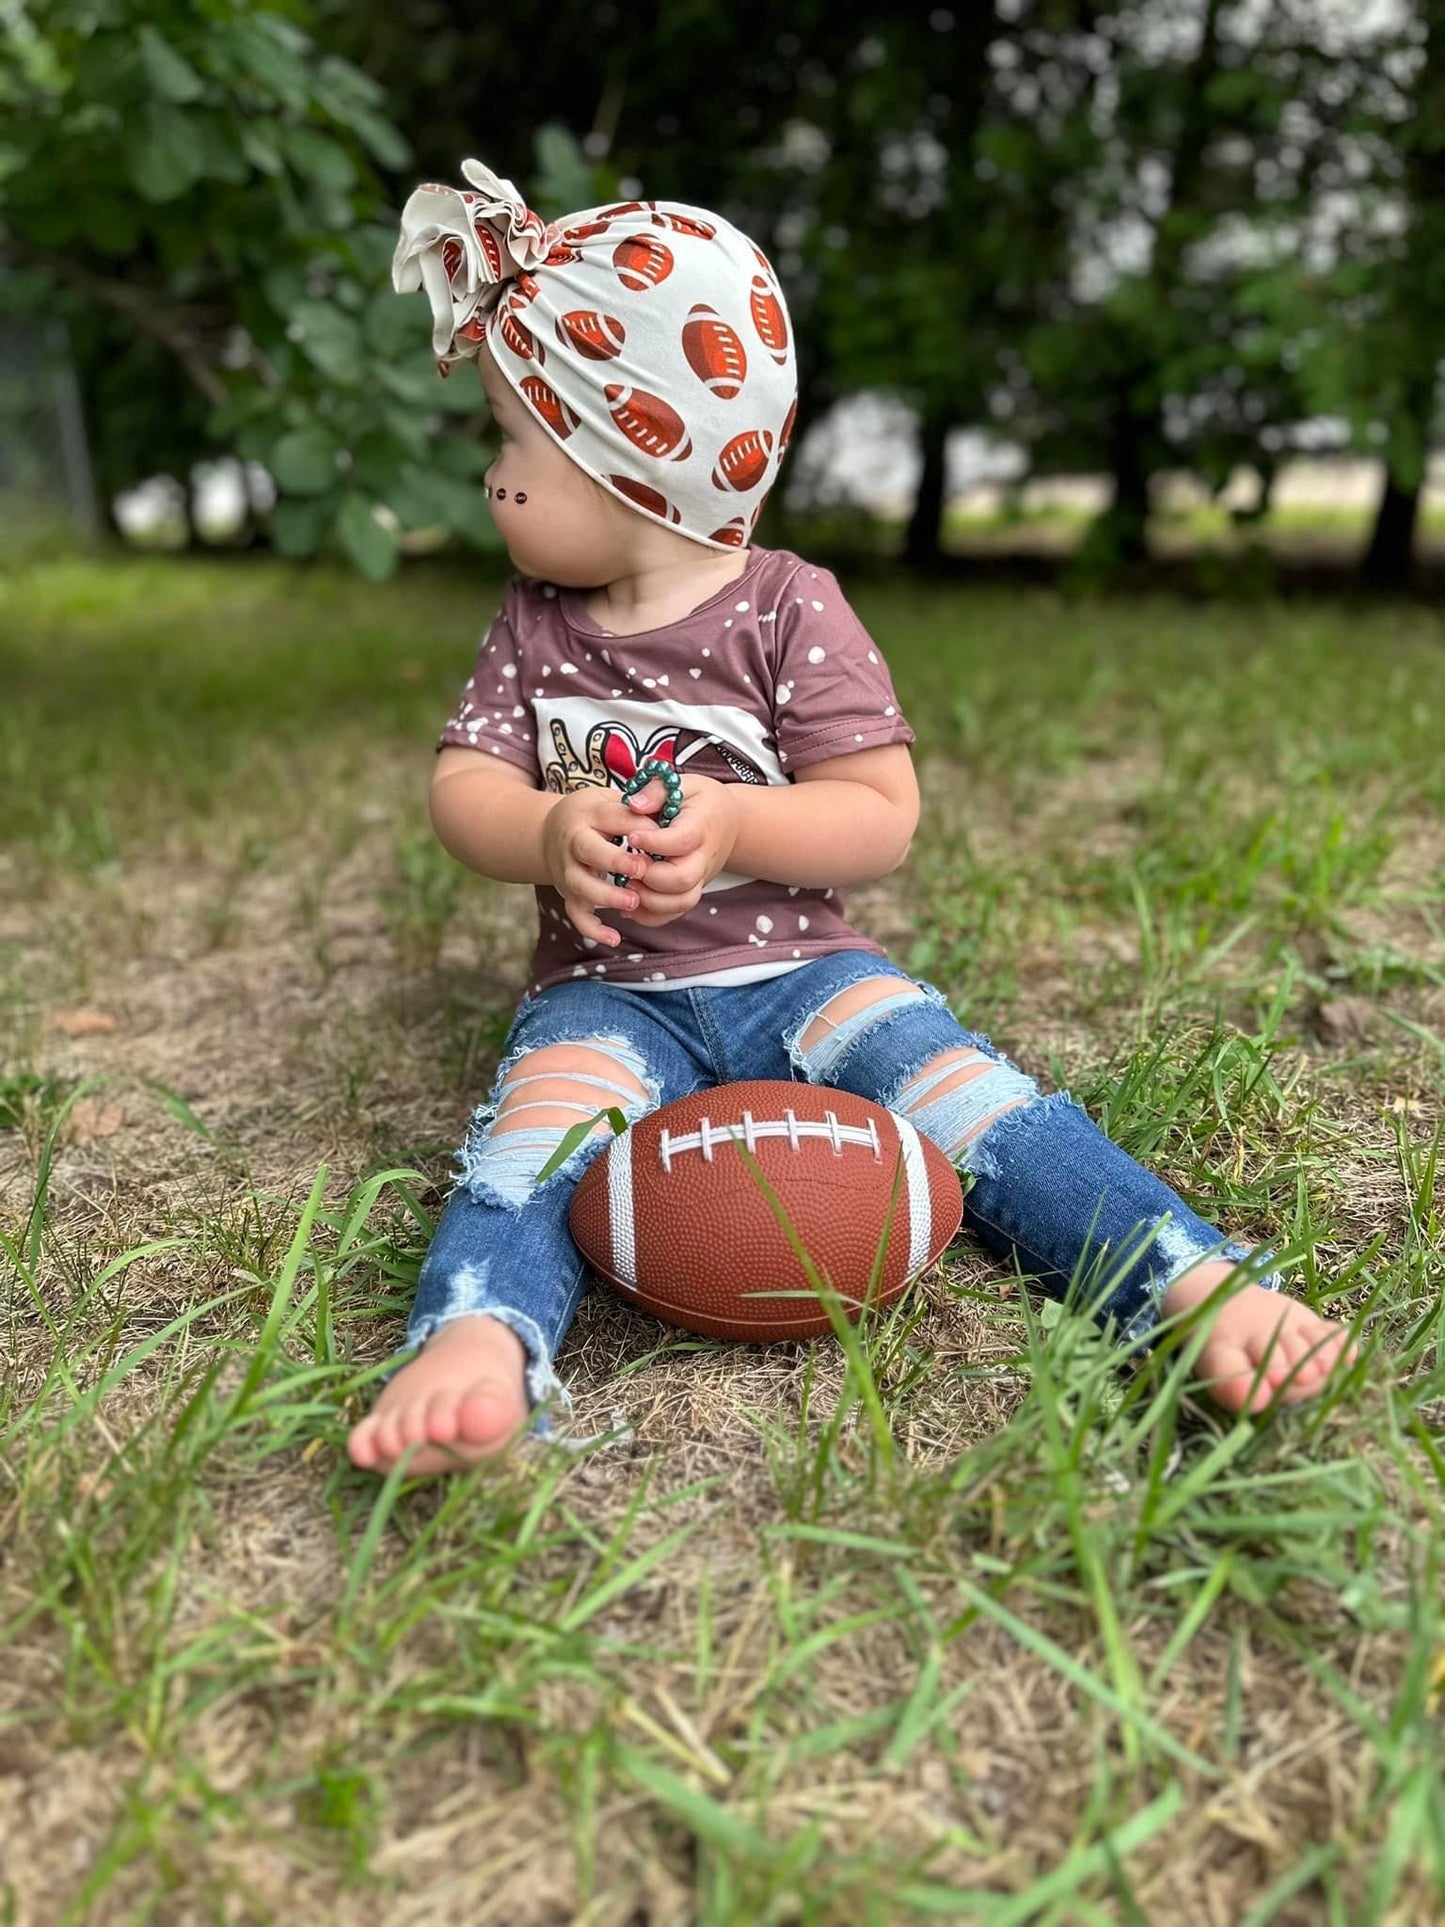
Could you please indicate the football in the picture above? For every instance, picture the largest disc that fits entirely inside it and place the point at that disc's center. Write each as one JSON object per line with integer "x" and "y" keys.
{"x": 714, "y": 352}
{"x": 641, "y": 262}
{"x": 743, "y": 463}
{"x": 596, "y": 336}
{"x": 547, "y": 403}
{"x": 645, "y": 498}
{"x": 489, "y": 245}
{"x": 674, "y": 1215}
{"x": 769, "y": 319}
{"x": 687, "y": 224}
{"x": 648, "y": 422}
{"x": 522, "y": 343}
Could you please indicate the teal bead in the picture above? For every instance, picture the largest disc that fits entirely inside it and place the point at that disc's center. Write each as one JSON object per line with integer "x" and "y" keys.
{"x": 672, "y": 794}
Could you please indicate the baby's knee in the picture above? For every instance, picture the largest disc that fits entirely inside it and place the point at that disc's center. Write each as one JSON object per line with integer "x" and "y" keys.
{"x": 541, "y": 1096}
{"x": 831, "y": 1032}
{"x": 958, "y": 1095}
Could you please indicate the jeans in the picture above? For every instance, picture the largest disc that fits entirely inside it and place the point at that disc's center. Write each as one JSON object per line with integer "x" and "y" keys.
{"x": 1045, "y": 1187}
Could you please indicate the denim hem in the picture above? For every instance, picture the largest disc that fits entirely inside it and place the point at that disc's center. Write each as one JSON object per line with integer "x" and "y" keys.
{"x": 1146, "y": 1320}
{"x": 542, "y": 1382}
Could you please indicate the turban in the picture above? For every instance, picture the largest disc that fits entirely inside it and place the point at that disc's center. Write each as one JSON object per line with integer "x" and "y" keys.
{"x": 651, "y": 339}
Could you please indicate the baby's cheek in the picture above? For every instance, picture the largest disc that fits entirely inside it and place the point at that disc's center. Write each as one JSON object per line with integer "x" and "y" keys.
{"x": 508, "y": 493}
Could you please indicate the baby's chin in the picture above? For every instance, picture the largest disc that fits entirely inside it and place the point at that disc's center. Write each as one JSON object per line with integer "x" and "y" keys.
{"x": 566, "y": 571}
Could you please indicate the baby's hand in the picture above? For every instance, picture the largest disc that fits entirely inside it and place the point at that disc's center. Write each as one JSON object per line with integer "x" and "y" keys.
{"x": 582, "y": 857}
{"x": 697, "y": 844}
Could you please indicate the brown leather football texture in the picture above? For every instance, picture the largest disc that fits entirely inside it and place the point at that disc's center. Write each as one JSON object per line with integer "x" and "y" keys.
{"x": 674, "y": 1215}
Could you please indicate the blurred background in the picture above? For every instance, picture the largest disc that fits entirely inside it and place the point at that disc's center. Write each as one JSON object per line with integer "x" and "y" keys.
{"x": 1080, "y": 288}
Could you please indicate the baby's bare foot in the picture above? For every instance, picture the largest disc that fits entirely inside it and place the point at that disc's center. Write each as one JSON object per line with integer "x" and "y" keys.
{"x": 1249, "y": 1325}
{"x": 462, "y": 1398}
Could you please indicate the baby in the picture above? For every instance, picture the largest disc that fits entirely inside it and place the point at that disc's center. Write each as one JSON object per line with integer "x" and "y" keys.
{"x": 639, "y": 366}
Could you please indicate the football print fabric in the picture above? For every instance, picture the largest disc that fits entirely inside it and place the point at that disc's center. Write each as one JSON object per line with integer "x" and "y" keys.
{"x": 650, "y": 339}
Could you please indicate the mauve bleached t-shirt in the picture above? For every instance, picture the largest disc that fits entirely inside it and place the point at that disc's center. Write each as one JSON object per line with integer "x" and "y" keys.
{"x": 772, "y": 673}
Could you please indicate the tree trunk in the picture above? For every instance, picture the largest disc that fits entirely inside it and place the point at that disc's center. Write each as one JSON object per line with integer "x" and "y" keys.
{"x": 1389, "y": 562}
{"x": 923, "y": 547}
{"x": 1121, "y": 534}
{"x": 1390, "y": 559}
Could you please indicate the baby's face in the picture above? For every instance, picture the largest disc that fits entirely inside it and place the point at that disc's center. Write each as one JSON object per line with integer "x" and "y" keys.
{"x": 557, "y": 524}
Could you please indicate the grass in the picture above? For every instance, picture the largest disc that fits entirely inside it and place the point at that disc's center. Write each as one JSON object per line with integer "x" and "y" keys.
{"x": 955, "y": 1622}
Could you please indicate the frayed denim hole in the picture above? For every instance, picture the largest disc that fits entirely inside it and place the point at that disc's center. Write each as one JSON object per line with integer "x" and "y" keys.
{"x": 957, "y": 1120}
{"x": 823, "y": 1063}
{"x": 481, "y": 1140}
{"x": 1261, "y": 1254}
{"x": 932, "y": 993}
{"x": 979, "y": 1156}
{"x": 891, "y": 1095}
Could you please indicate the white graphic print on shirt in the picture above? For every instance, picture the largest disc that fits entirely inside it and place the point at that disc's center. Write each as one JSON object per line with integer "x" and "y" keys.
{"x": 588, "y": 744}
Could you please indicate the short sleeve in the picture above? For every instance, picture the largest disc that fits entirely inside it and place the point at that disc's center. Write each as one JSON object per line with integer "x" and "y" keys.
{"x": 492, "y": 713}
{"x": 832, "y": 692}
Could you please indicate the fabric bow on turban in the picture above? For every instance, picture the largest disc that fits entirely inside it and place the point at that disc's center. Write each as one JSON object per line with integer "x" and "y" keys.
{"x": 651, "y": 339}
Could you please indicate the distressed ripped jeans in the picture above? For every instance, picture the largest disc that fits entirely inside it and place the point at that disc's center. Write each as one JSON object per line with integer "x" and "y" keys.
{"x": 1045, "y": 1186}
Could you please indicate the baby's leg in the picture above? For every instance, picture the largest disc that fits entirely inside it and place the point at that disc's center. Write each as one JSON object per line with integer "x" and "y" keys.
{"x": 1049, "y": 1189}
{"x": 502, "y": 1278}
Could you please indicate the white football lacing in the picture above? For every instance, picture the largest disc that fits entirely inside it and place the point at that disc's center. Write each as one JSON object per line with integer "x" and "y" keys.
{"x": 750, "y": 1129}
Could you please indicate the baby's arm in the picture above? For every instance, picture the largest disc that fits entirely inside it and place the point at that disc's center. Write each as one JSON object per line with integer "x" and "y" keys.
{"x": 844, "y": 820}
{"x": 489, "y": 815}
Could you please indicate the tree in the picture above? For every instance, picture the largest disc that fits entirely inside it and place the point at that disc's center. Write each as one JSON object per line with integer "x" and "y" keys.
{"x": 195, "y": 191}
{"x": 1410, "y": 338}
{"x": 1171, "y": 347}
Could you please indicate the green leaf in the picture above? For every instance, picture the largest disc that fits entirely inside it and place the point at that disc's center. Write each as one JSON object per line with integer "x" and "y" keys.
{"x": 299, "y": 525}
{"x": 330, "y": 340}
{"x": 165, "y": 154}
{"x": 109, "y": 219}
{"x": 460, "y": 505}
{"x": 564, "y": 179}
{"x": 261, "y": 145}
{"x": 416, "y": 382}
{"x": 319, "y": 159}
{"x": 223, "y": 155}
{"x": 459, "y": 458}
{"x": 390, "y": 326}
{"x": 304, "y": 462}
{"x": 269, "y": 51}
{"x": 284, "y": 288}
{"x": 371, "y": 547}
{"x": 381, "y": 139}
{"x": 107, "y": 68}
{"x": 171, "y": 74}
{"x": 377, "y": 461}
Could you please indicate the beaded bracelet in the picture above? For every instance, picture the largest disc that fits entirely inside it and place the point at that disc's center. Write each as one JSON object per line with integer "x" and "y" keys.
{"x": 671, "y": 803}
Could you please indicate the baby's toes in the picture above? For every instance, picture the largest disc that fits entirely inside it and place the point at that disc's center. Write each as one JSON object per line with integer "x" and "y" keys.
{"x": 1335, "y": 1350}
{"x": 411, "y": 1428}
{"x": 386, "y": 1449}
{"x": 361, "y": 1446}
{"x": 484, "y": 1416}
{"x": 1229, "y": 1378}
{"x": 1285, "y": 1359}
{"x": 441, "y": 1418}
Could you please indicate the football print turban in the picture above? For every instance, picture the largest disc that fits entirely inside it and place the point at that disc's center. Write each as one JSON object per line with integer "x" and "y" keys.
{"x": 650, "y": 339}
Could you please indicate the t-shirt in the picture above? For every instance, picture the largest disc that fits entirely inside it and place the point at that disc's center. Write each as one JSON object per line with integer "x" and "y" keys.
{"x": 772, "y": 673}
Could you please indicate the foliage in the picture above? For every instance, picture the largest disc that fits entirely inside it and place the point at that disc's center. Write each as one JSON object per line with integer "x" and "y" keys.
{"x": 1127, "y": 235}
{"x": 195, "y": 190}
